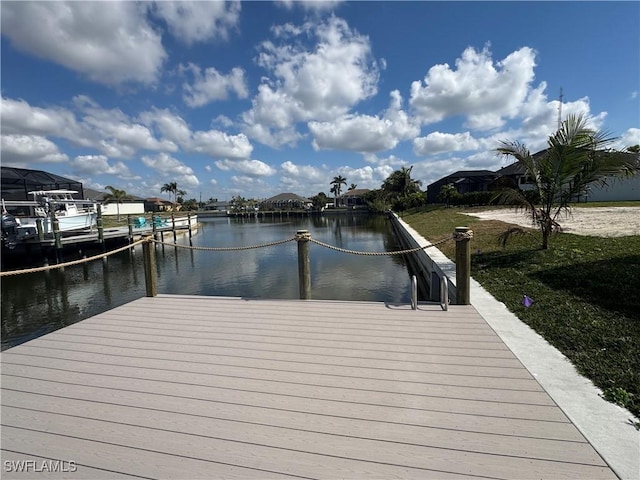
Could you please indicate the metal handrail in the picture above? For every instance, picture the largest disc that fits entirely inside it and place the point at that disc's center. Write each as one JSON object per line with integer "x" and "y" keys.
{"x": 444, "y": 293}
{"x": 414, "y": 293}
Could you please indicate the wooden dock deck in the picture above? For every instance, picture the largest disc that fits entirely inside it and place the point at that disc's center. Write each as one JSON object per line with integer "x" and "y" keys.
{"x": 208, "y": 387}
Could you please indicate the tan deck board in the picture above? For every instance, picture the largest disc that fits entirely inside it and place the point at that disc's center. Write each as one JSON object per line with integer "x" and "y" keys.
{"x": 197, "y": 387}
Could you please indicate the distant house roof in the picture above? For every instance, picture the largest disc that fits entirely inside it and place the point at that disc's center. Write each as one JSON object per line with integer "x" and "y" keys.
{"x": 100, "y": 196}
{"x": 158, "y": 201}
{"x": 287, "y": 197}
{"x": 356, "y": 192}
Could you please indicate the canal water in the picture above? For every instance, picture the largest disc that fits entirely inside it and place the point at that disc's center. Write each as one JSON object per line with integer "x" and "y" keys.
{"x": 36, "y": 304}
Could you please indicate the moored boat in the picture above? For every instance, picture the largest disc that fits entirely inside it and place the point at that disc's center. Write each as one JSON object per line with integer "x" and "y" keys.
{"x": 49, "y": 206}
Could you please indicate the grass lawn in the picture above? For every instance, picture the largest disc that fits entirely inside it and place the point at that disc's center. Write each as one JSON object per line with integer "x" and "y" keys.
{"x": 586, "y": 292}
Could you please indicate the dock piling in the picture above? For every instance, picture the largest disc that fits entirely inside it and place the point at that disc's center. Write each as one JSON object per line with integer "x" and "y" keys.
{"x": 148, "y": 254}
{"x": 463, "y": 237}
{"x": 100, "y": 225}
{"x": 303, "y": 238}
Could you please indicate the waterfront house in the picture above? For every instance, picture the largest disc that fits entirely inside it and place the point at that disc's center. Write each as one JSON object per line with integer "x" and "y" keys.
{"x": 286, "y": 201}
{"x": 353, "y": 198}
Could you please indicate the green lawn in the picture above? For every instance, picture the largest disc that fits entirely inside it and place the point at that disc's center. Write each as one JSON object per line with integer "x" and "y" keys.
{"x": 586, "y": 293}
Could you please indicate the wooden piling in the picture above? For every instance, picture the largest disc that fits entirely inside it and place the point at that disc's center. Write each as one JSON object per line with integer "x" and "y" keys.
{"x": 130, "y": 227}
{"x": 304, "y": 271}
{"x": 149, "y": 267}
{"x": 463, "y": 237}
{"x": 100, "y": 225}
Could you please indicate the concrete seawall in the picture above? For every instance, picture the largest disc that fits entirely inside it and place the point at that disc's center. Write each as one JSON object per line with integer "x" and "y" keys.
{"x": 429, "y": 264}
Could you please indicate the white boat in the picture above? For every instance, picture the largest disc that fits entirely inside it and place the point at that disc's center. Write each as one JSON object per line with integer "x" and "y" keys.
{"x": 71, "y": 214}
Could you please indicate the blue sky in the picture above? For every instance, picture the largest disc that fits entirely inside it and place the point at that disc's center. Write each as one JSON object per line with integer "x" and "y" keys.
{"x": 259, "y": 98}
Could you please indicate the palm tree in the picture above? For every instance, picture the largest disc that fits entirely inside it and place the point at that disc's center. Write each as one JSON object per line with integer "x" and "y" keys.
{"x": 337, "y": 183}
{"x": 116, "y": 195}
{"x": 353, "y": 186}
{"x": 400, "y": 184}
{"x": 171, "y": 188}
{"x": 576, "y": 156}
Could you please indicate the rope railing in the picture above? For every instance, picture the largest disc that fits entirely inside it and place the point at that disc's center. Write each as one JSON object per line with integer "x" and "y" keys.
{"x": 224, "y": 249}
{"x": 313, "y": 240}
{"x": 462, "y": 237}
{"x": 73, "y": 262}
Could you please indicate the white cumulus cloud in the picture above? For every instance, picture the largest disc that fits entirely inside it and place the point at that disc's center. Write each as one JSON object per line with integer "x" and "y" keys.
{"x": 485, "y": 92}
{"x": 171, "y": 168}
{"x": 197, "y": 21}
{"x": 218, "y": 144}
{"x": 365, "y": 133}
{"x": 99, "y": 165}
{"x": 248, "y": 167}
{"x": 438, "y": 142}
{"x": 22, "y": 150}
{"x": 311, "y": 83}
{"x": 211, "y": 85}
{"x": 110, "y": 42}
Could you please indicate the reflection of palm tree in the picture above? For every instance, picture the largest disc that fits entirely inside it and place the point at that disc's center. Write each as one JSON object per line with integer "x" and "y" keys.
{"x": 576, "y": 156}
{"x": 337, "y": 183}
{"x": 116, "y": 195}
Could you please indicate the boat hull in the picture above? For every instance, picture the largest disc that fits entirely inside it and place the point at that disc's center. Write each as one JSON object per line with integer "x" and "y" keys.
{"x": 28, "y": 226}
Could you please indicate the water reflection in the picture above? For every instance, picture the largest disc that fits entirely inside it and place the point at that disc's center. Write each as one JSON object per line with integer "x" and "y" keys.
{"x": 35, "y": 304}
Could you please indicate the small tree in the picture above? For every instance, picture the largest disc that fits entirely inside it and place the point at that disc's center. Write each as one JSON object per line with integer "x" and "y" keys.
{"x": 116, "y": 195}
{"x": 576, "y": 157}
{"x": 447, "y": 193}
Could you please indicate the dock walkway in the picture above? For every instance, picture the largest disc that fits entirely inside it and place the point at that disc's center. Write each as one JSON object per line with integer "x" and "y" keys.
{"x": 209, "y": 387}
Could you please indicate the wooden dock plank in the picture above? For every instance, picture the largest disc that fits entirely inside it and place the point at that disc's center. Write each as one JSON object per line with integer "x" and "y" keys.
{"x": 292, "y": 449}
{"x": 88, "y": 386}
{"x": 203, "y": 387}
{"x": 175, "y": 412}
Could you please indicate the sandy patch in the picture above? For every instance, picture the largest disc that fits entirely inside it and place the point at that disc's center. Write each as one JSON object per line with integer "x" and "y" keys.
{"x": 596, "y": 221}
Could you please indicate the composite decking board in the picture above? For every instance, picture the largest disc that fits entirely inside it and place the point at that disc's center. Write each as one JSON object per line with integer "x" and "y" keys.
{"x": 406, "y": 354}
{"x": 169, "y": 350}
{"x": 16, "y": 464}
{"x": 360, "y": 348}
{"x": 288, "y": 389}
{"x": 158, "y": 409}
{"x": 380, "y": 380}
{"x": 368, "y": 311}
{"x": 243, "y": 321}
{"x": 325, "y": 385}
{"x": 306, "y": 385}
{"x": 256, "y": 387}
{"x": 297, "y": 366}
{"x": 400, "y": 345}
{"x": 248, "y": 448}
{"x": 331, "y": 336}
{"x": 425, "y": 379}
{"x": 167, "y": 323}
{"x": 380, "y": 315}
{"x": 132, "y": 463}
{"x": 230, "y": 425}
{"x": 215, "y": 400}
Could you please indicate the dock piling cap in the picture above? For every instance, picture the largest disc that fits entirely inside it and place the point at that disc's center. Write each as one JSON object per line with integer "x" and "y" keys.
{"x": 303, "y": 235}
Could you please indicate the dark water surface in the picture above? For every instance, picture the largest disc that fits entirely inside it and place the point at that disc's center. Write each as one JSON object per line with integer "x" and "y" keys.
{"x": 38, "y": 303}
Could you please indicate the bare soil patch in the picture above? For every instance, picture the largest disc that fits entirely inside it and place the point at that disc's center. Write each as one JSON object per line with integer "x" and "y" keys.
{"x": 596, "y": 221}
